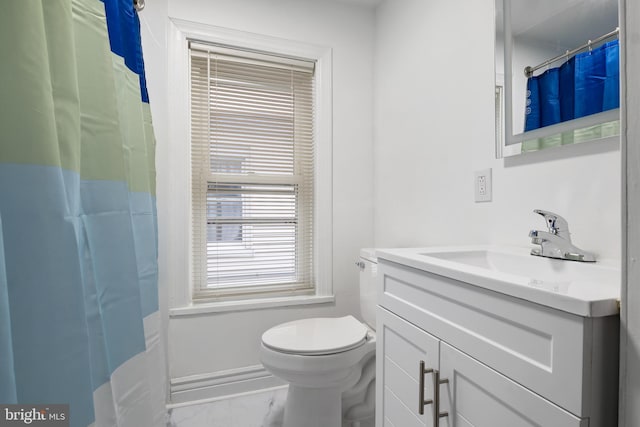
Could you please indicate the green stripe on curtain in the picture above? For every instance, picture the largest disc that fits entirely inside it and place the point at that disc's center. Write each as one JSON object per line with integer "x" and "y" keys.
{"x": 102, "y": 151}
{"x": 26, "y": 83}
{"x": 114, "y": 145}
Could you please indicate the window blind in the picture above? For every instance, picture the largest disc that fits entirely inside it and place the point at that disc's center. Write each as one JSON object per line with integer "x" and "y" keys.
{"x": 252, "y": 171}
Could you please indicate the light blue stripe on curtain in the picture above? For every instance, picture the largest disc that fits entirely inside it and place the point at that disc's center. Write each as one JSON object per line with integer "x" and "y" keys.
{"x": 144, "y": 225}
{"x": 110, "y": 271}
{"x": 7, "y": 375}
{"x": 46, "y": 293}
{"x": 79, "y": 301}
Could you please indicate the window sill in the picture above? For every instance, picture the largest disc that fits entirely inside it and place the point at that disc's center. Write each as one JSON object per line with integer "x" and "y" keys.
{"x": 247, "y": 305}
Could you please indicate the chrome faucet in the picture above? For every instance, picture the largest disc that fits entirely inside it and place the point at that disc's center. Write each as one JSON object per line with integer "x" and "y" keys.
{"x": 556, "y": 243}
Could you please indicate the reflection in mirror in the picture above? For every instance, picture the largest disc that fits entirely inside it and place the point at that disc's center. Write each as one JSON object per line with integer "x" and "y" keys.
{"x": 561, "y": 71}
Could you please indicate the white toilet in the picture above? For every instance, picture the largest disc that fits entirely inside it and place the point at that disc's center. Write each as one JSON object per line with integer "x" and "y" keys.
{"x": 329, "y": 363}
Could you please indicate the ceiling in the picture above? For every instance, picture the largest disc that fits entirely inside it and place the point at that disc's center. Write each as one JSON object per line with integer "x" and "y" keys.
{"x": 563, "y": 23}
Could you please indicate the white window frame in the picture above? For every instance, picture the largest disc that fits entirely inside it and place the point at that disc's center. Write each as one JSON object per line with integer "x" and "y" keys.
{"x": 179, "y": 196}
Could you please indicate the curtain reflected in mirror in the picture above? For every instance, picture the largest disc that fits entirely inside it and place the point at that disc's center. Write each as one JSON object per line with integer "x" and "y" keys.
{"x": 561, "y": 72}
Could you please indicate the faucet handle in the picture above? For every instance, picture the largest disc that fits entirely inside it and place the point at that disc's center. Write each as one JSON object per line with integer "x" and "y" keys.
{"x": 556, "y": 224}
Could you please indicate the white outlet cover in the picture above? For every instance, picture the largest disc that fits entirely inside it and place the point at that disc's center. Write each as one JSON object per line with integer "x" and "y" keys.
{"x": 482, "y": 185}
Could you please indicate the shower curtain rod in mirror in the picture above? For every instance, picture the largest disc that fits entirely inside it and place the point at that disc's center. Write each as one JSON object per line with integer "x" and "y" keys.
{"x": 528, "y": 71}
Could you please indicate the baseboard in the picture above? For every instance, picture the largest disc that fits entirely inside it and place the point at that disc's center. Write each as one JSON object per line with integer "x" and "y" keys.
{"x": 217, "y": 385}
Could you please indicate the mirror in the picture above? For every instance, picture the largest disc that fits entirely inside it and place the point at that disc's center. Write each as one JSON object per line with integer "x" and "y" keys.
{"x": 557, "y": 67}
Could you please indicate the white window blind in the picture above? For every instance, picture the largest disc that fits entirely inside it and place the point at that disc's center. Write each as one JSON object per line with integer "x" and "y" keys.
{"x": 252, "y": 172}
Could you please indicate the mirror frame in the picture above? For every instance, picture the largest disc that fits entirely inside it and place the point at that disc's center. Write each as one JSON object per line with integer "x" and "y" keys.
{"x": 512, "y": 144}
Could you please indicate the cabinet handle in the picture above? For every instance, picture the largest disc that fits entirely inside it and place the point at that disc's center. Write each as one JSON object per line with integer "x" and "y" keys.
{"x": 437, "y": 382}
{"x": 423, "y": 402}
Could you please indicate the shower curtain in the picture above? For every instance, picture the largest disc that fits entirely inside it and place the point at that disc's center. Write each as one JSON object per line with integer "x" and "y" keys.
{"x": 586, "y": 84}
{"x": 79, "y": 320}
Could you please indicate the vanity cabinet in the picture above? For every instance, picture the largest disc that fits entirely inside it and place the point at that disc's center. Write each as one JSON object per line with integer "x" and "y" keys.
{"x": 477, "y": 395}
{"x": 403, "y": 347}
{"x": 501, "y": 361}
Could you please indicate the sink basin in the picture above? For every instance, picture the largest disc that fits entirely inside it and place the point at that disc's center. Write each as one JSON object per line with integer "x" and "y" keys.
{"x": 536, "y": 268}
{"x": 586, "y": 289}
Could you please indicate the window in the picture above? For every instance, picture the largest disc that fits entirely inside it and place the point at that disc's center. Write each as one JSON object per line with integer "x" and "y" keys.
{"x": 252, "y": 157}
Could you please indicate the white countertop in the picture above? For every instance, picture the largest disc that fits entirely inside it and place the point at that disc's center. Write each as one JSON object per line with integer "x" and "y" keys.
{"x": 584, "y": 289}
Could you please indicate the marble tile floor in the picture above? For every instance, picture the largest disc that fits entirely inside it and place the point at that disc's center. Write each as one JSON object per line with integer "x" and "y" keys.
{"x": 263, "y": 409}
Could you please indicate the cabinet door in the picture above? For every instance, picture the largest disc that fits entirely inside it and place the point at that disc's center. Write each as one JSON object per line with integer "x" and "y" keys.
{"x": 400, "y": 349}
{"x": 478, "y": 396}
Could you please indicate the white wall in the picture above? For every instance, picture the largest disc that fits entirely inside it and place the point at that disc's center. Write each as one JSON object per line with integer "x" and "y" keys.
{"x": 433, "y": 127}
{"x": 208, "y": 343}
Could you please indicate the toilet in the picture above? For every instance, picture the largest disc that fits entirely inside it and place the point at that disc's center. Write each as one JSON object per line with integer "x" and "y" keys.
{"x": 329, "y": 363}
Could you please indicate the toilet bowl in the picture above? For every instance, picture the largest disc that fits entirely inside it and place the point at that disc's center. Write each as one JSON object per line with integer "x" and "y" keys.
{"x": 327, "y": 362}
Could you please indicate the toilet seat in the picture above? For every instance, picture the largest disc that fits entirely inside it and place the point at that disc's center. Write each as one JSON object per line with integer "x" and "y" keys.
{"x": 316, "y": 336}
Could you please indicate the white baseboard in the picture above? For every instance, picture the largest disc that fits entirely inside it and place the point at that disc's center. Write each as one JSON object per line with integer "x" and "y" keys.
{"x": 222, "y": 384}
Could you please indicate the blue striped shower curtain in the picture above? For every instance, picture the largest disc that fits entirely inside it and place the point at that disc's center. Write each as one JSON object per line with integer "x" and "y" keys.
{"x": 79, "y": 319}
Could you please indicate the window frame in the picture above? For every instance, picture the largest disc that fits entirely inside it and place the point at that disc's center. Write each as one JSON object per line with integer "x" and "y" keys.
{"x": 181, "y": 204}
{"x": 293, "y": 173}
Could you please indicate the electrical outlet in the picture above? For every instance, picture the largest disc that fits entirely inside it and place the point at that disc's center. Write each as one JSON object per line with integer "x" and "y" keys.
{"x": 482, "y": 185}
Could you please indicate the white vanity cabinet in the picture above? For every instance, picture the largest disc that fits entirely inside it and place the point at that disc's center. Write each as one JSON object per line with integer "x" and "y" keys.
{"x": 502, "y": 361}
{"x": 398, "y": 374}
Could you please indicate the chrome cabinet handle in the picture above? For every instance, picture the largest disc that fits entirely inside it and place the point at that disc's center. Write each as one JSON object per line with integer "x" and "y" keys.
{"x": 422, "y": 403}
{"x": 437, "y": 382}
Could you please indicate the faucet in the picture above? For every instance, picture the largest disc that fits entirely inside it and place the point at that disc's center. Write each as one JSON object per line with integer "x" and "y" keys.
{"x": 556, "y": 243}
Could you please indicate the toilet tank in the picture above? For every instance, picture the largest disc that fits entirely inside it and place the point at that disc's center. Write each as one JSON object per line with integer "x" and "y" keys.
{"x": 368, "y": 298}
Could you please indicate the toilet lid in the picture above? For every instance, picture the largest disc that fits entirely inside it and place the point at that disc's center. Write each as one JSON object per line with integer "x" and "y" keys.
{"x": 316, "y": 336}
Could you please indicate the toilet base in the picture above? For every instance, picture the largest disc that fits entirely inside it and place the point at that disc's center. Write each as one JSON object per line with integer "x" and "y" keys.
{"x": 317, "y": 382}
{"x": 313, "y": 407}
